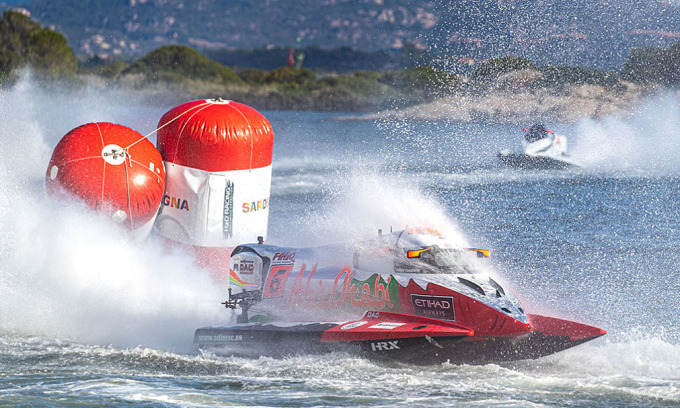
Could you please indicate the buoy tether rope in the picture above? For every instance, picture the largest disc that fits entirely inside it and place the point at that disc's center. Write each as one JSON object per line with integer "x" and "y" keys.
{"x": 207, "y": 102}
{"x": 129, "y": 201}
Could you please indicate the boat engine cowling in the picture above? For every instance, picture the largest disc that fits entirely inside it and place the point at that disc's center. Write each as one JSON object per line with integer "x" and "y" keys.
{"x": 246, "y": 271}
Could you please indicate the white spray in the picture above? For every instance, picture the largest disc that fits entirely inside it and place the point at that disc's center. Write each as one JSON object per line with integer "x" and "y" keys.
{"x": 69, "y": 273}
{"x": 648, "y": 141}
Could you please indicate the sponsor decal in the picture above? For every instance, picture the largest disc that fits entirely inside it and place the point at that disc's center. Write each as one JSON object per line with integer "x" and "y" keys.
{"x": 352, "y": 325}
{"x": 233, "y": 278}
{"x": 215, "y": 338}
{"x": 228, "y": 211}
{"x": 375, "y": 293}
{"x": 175, "y": 202}
{"x": 386, "y": 325}
{"x": 253, "y": 206}
{"x": 385, "y": 345}
{"x": 245, "y": 267}
{"x": 284, "y": 257}
{"x": 373, "y": 315}
{"x": 436, "y": 307}
{"x": 276, "y": 280}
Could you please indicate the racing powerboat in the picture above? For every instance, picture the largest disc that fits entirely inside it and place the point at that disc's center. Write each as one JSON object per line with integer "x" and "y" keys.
{"x": 543, "y": 150}
{"x": 410, "y": 296}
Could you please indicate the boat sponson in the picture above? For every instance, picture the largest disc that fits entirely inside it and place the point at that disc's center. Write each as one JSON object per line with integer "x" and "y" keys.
{"x": 387, "y": 325}
{"x": 399, "y": 338}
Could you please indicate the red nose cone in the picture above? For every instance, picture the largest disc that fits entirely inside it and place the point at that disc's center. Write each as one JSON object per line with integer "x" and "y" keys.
{"x": 112, "y": 168}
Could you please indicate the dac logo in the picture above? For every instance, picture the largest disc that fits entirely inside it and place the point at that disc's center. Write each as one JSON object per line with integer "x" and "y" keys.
{"x": 244, "y": 267}
{"x": 385, "y": 345}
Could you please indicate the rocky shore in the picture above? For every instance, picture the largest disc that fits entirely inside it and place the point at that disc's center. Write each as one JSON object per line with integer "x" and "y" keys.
{"x": 510, "y": 100}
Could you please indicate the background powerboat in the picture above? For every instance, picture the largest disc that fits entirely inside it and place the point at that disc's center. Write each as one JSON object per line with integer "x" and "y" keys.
{"x": 543, "y": 149}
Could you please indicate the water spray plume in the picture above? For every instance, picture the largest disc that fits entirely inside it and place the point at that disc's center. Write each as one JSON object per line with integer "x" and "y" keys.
{"x": 70, "y": 273}
{"x": 366, "y": 202}
{"x": 649, "y": 140}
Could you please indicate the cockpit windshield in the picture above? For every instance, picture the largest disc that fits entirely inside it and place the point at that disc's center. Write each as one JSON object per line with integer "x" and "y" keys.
{"x": 436, "y": 260}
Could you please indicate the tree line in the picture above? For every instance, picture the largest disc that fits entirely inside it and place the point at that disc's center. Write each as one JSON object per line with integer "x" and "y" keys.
{"x": 24, "y": 42}
{"x": 414, "y": 75}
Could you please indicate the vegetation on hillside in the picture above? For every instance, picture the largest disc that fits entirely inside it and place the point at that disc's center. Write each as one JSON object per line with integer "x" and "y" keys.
{"x": 24, "y": 42}
{"x": 339, "y": 60}
{"x": 174, "y": 63}
{"x": 184, "y": 71}
{"x": 654, "y": 65}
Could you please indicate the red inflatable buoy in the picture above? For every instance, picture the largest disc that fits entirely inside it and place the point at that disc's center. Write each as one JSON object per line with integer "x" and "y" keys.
{"x": 218, "y": 158}
{"x": 112, "y": 168}
{"x": 215, "y": 135}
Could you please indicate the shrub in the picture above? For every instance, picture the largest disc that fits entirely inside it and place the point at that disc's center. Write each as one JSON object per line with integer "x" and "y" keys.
{"x": 23, "y": 41}
{"x": 495, "y": 67}
{"x": 175, "y": 62}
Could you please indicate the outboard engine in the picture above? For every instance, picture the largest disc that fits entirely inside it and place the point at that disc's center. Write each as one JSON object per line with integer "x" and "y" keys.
{"x": 245, "y": 281}
{"x": 247, "y": 271}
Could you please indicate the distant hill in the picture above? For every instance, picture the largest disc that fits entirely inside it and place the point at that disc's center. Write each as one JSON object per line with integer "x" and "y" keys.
{"x": 593, "y": 33}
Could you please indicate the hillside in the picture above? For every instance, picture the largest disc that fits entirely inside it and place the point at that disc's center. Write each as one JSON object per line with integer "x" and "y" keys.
{"x": 507, "y": 89}
{"x": 594, "y": 33}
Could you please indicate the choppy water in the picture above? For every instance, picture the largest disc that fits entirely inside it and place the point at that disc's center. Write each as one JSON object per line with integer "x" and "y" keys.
{"x": 89, "y": 318}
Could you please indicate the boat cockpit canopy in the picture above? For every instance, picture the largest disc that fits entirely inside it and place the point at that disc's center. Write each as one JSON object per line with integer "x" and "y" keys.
{"x": 436, "y": 260}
